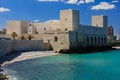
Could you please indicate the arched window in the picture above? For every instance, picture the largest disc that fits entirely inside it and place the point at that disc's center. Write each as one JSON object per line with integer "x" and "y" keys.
{"x": 98, "y": 41}
{"x": 95, "y": 41}
{"x": 102, "y": 41}
{"x": 91, "y": 41}
{"x": 105, "y": 40}
{"x": 87, "y": 40}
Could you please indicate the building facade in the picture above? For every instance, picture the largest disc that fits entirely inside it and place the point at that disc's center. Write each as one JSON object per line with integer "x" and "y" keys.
{"x": 68, "y": 33}
{"x": 74, "y": 35}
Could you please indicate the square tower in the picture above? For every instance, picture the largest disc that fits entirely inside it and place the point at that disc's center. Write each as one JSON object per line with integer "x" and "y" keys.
{"x": 100, "y": 21}
{"x": 69, "y": 20}
{"x": 20, "y": 27}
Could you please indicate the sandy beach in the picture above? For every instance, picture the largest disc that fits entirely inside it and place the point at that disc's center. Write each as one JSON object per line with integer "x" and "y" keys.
{"x": 116, "y": 47}
{"x": 30, "y": 55}
{"x": 22, "y": 56}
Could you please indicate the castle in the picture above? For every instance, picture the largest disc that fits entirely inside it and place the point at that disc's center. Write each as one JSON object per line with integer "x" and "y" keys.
{"x": 66, "y": 34}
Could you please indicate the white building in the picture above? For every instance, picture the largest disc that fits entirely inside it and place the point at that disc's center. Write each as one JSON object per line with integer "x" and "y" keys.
{"x": 69, "y": 33}
{"x": 73, "y": 35}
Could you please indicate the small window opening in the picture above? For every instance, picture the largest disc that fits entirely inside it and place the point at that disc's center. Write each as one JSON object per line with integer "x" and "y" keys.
{"x": 65, "y": 29}
{"x": 48, "y": 41}
{"x": 65, "y": 18}
{"x": 44, "y": 29}
{"x": 56, "y": 39}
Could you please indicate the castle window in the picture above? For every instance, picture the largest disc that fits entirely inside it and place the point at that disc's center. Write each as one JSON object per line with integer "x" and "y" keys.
{"x": 62, "y": 43}
{"x": 30, "y": 24}
{"x": 58, "y": 29}
{"x": 48, "y": 41}
{"x": 105, "y": 40}
{"x": 98, "y": 41}
{"x": 91, "y": 41}
{"x": 95, "y": 41}
{"x": 65, "y": 29}
{"x": 55, "y": 39}
{"x": 88, "y": 41}
{"x": 44, "y": 29}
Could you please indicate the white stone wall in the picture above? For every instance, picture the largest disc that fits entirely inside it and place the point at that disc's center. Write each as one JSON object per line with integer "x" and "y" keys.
{"x": 13, "y": 26}
{"x": 42, "y": 27}
{"x": 99, "y": 21}
{"x": 62, "y": 42}
{"x": 7, "y": 46}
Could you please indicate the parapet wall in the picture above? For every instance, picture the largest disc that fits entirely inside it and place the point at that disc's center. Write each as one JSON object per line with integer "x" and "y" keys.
{"x": 8, "y": 46}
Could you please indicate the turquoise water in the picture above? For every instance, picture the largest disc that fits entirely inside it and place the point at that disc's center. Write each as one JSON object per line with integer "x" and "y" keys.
{"x": 95, "y": 66}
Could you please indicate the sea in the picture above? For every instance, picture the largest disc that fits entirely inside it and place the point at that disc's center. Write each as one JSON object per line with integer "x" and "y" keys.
{"x": 91, "y": 66}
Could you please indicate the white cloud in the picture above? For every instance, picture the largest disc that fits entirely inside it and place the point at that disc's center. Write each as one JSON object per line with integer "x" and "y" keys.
{"x": 72, "y": 1}
{"x": 114, "y": 1}
{"x": 89, "y": 1}
{"x": 2, "y": 9}
{"x": 103, "y": 6}
{"x": 36, "y": 20}
{"x": 81, "y": 2}
{"x": 78, "y": 1}
{"x": 68, "y": 1}
{"x": 47, "y": 0}
{"x": 52, "y": 21}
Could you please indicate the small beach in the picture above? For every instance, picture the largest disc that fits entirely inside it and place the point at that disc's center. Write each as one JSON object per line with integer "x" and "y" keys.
{"x": 30, "y": 55}
{"x": 24, "y": 56}
{"x": 116, "y": 47}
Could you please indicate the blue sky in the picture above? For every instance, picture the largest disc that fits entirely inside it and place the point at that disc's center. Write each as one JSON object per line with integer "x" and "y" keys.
{"x": 44, "y": 10}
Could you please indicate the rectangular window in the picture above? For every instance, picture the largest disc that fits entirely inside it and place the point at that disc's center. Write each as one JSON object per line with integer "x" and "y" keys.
{"x": 55, "y": 39}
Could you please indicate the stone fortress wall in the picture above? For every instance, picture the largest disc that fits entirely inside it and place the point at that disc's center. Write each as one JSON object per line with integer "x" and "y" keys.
{"x": 8, "y": 46}
{"x": 79, "y": 35}
{"x": 25, "y": 27}
{"x": 69, "y": 33}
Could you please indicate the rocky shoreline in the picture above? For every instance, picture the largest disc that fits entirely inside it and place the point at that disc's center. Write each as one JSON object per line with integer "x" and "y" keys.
{"x": 19, "y": 56}
{"x": 2, "y": 76}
